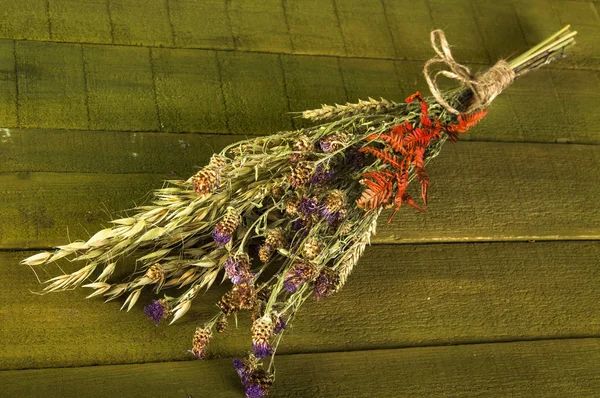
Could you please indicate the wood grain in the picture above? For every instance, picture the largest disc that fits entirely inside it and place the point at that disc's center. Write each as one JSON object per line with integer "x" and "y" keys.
{"x": 558, "y": 368}
{"x": 398, "y": 296}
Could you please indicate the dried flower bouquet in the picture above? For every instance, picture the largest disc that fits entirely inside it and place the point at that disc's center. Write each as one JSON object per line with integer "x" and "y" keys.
{"x": 286, "y": 217}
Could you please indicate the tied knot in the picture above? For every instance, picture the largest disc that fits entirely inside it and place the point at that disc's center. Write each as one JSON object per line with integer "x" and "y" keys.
{"x": 484, "y": 86}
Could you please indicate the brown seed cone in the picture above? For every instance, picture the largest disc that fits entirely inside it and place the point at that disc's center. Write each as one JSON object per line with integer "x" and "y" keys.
{"x": 155, "y": 272}
{"x": 262, "y": 330}
{"x": 312, "y": 248}
{"x": 221, "y": 325}
{"x": 218, "y": 162}
{"x": 276, "y": 238}
{"x": 291, "y": 207}
{"x": 303, "y": 144}
{"x": 240, "y": 297}
{"x": 229, "y": 222}
{"x": 260, "y": 378}
{"x": 205, "y": 181}
{"x": 201, "y": 338}
{"x": 264, "y": 253}
{"x": 277, "y": 192}
{"x": 335, "y": 201}
{"x": 297, "y": 157}
{"x": 301, "y": 174}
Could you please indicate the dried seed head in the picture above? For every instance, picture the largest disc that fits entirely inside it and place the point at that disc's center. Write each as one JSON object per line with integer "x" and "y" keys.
{"x": 226, "y": 227}
{"x": 312, "y": 248}
{"x": 258, "y": 384}
{"x": 326, "y": 283}
{"x": 218, "y": 162}
{"x": 237, "y": 268}
{"x": 303, "y": 144}
{"x": 291, "y": 207}
{"x": 201, "y": 338}
{"x": 335, "y": 201}
{"x": 221, "y": 325}
{"x": 297, "y": 157}
{"x": 240, "y": 297}
{"x": 334, "y": 142}
{"x": 262, "y": 330}
{"x": 155, "y": 273}
{"x": 301, "y": 174}
{"x": 264, "y": 253}
{"x": 297, "y": 275}
{"x": 277, "y": 192}
{"x": 276, "y": 238}
{"x": 206, "y": 180}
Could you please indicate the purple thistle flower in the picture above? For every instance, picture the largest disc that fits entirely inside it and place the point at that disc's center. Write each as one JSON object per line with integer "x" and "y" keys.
{"x": 321, "y": 175}
{"x": 241, "y": 369}
{"x": 279, "y": 326}
{"x": 237, "y": 269}
{"x": 297, "y": 225}
{"x": 262, "y": 349}
{"x": 308, "y": 207}
{"x": 325, "y": 284}
{"x": 220, "y": 237}
{"x": 155, "y": 311}
{"x": 254, "y": 391}
{"x": 325, "y": 146}
{"x": 290, "y": 285}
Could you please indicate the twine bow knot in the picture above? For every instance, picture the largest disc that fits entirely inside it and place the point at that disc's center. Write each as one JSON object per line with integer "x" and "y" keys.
{"x": 485, "y": 86}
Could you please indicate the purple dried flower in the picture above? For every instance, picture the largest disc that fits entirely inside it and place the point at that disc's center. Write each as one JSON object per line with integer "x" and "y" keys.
{"x": 279, "y": 326}
{"x": 220, "y": 237}
{"x": 254, "y": 391}
{"x": 262, "y": 349}
{"x": 297, "y": 225}
{"x": 321, "y": 175}
{"x": 308, "y": 207}
{"x": 325, "y": 283}
{"x": 237, "y": 268}
{"x": 296, "y": 276}
{"x": 155, "y": 311}
{"x": 241, "y": 369}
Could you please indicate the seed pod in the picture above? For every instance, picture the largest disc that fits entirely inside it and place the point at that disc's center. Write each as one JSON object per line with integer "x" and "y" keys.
{"x": 312, "y": 248}
{"x": 206, "y": 181}
{"x": 201, "y": 338}
{"x": 301, "y": 174}
{"x": 155, "y": 273}
{"x": 303, "y": 144}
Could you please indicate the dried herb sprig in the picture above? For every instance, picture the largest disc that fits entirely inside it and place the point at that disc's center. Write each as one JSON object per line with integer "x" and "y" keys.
{"x": 285, "y": 217}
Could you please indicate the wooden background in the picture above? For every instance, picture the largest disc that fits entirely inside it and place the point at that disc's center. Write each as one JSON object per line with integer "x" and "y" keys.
{"x": 494, "y": 292}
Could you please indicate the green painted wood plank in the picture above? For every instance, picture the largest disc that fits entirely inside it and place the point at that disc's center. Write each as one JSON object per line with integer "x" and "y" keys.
{"x": 366, "y": 78}
{"x": 120, "y": 86}
{"x": 257, "y": 91}
{"x": 311, "y": 82}
{"x": 479, "y": 191}
{"x": 457, "y": 19}
{"x": 563, "y": 368}
{"x": 188, "y": 90}
{"x": 51, "y": 85}
{"x": 410, "y": 25}
{"x": 259, "y": 25}
{"x": 26, "y": 19}
{"x": 201, "y": 24}
{"x": 314, "y": 27}
{"x": 141, "y": 22}
{"x": 85, "y": 21}
{"x": 364, "y": 28}
{"x": 8, "y": 85}
{"x": 255, "y": 95}
{"x": 107, "y": 152}
{"x": 407, "y": 295}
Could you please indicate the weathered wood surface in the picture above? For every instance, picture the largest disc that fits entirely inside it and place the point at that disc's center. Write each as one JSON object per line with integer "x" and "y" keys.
{"x": 100, "y": 87}
{"x": 356, "y": 28}
{"x": 479, "y": 192}
{"x": 92, "y": 90}
{"x": 398, "y": 295}
{"x": 557, "y": 368}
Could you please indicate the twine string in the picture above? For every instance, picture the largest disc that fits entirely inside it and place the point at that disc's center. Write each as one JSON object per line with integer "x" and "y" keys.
{"x": 485, "y": 86}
